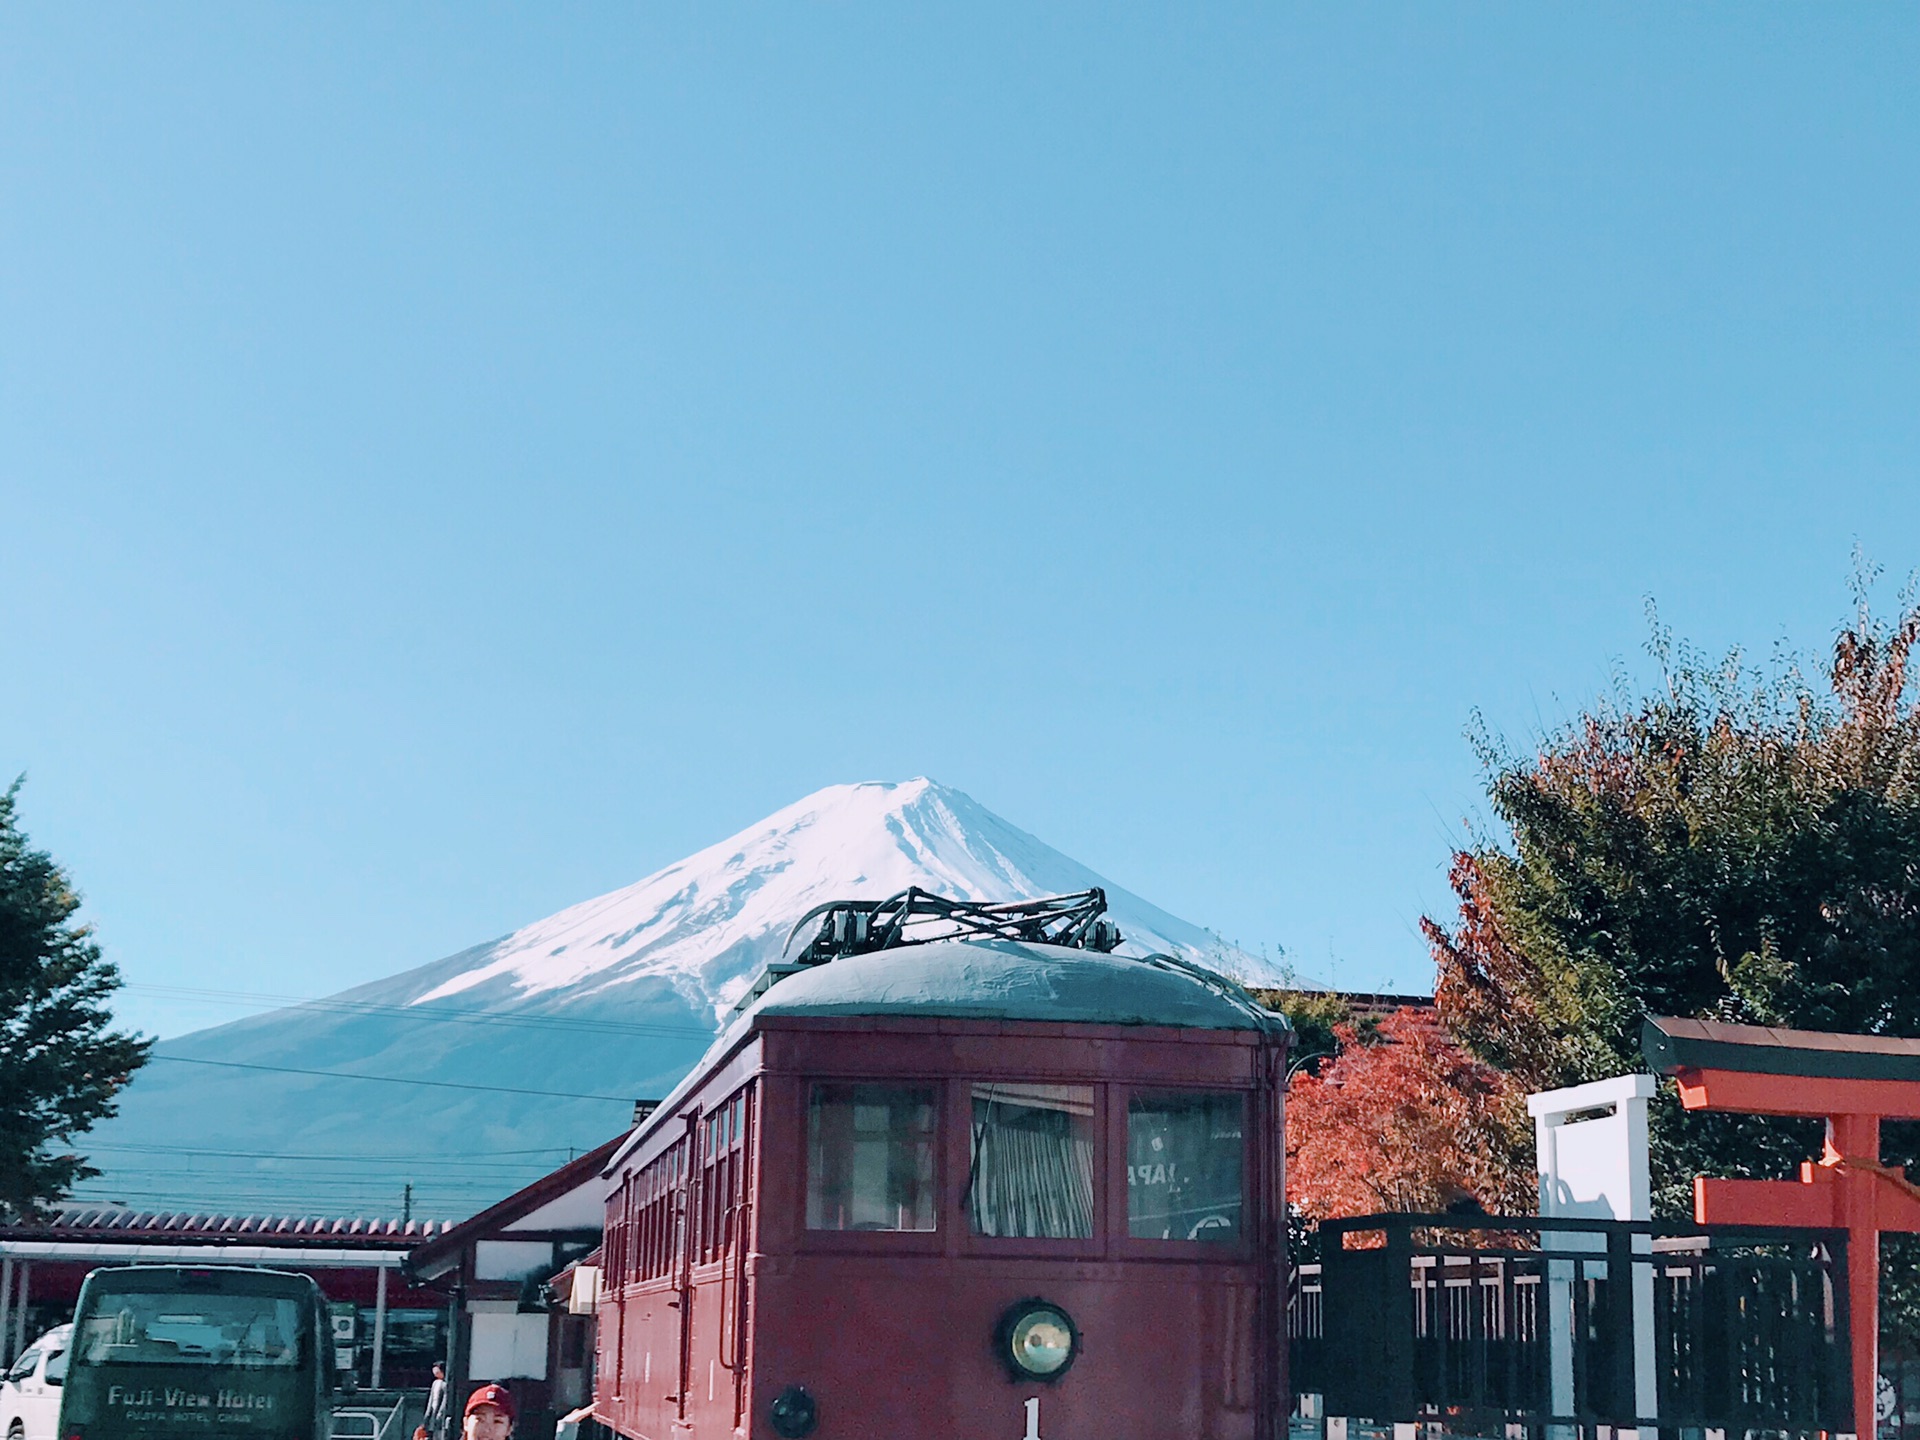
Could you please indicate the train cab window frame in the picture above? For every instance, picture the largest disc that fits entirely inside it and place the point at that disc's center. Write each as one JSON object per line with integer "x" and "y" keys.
{"x": 872, "y": 1146}
{"x": 1184, "y": 1171}
{"x": 1029, "y": 1162}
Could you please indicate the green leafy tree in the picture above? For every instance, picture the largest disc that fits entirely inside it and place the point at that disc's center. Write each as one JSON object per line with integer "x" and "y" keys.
{"x": 1316, "y": 1017}
{"x": 61, "y": 1063}
{"x": 1739, "y": 845}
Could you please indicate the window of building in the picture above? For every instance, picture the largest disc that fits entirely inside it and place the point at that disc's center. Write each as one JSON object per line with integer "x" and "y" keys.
{"x": 1186, "y": 1156}
{"x": 1032, "y": 1161}
{"x": 870, "y": 1157}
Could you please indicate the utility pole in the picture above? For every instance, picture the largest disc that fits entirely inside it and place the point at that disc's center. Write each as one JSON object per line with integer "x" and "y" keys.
{"x": 406, "y": 1205}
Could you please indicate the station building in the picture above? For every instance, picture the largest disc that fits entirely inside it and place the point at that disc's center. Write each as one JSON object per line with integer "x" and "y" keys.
{"x": 395, "y": 1326}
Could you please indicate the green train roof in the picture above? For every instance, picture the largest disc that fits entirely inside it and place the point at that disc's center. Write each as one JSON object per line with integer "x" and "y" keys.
{"x": 1014, "y": 980}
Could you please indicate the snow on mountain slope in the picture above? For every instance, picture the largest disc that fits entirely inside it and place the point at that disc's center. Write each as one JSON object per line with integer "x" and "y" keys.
{"x": 614, "y": 998}
{"x": 710, "y": 921}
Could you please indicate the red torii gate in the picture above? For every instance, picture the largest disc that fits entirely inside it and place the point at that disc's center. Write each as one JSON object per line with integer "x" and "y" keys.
{"x": 1853, "y": 1082}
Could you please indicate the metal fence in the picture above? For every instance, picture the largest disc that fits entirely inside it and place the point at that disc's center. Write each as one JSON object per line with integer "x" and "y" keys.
{"x": 1487, "y": 1324}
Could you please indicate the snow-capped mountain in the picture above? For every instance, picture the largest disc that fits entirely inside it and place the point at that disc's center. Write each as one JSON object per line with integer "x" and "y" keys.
{"x": 565, "y": 1020}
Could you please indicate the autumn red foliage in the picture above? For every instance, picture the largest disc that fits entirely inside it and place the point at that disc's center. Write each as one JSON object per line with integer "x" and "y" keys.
{"x": 1408, "y": 1122}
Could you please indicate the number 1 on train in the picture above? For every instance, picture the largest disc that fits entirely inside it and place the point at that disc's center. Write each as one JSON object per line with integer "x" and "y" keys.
{"x": 1033, "y": 1419}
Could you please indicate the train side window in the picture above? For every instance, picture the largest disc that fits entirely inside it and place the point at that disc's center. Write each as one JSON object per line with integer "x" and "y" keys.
{"x": 1186, "y": 1157}
{"x": 870, "y": 1156}
{"x": 722, "y": 1149}
{"x": 1031, "y": 1169}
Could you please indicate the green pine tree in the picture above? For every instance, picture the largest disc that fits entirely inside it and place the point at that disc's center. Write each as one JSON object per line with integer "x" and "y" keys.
{"x": 61, "y": 1063}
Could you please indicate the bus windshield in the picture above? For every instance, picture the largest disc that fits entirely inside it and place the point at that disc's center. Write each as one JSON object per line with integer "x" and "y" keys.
{"x": 153, "y": 1327}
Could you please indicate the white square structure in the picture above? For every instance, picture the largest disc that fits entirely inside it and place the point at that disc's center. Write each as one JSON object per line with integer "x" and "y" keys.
{"x": 1590, "y": 1149}
{"x": 1590, "y": 1146}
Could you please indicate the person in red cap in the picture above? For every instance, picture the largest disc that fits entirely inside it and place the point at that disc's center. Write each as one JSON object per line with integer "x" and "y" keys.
{"x": 489, "y": 1414}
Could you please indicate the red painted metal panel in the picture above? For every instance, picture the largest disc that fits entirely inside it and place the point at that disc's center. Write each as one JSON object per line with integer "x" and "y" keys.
{"x": 1170, "y": 1352}
{"x": 892, "y": 1332}
{"x": 1766, "y": 1202}
{"x": 1747, "y": 1093}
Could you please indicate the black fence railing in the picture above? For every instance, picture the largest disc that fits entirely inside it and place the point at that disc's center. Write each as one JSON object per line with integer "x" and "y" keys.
{"x": 1504, "y": 1321}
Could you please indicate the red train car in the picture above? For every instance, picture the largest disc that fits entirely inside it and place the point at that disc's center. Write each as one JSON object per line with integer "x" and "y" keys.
{"x": 961, "y": 1171}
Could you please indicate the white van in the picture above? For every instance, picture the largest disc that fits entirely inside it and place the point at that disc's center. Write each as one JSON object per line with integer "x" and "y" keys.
{"x": 30, "y": 1395}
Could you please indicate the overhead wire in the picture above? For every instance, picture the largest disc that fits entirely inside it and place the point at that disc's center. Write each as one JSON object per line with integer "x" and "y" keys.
{"x": 386, "y": 1079}
{"x": 269, "y": 1001}
{"x": 463, "y": 1180}
{"x": 387, "y": 1206}
{"x": 294, "y": 1177}
{"x": 429, "y": 1174}
{"x": 408, "y": 1156}
{"x": 353, "y": 1187}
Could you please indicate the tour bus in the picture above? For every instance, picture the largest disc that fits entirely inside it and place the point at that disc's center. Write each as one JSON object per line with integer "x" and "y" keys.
{"x": 163, "y": 1350}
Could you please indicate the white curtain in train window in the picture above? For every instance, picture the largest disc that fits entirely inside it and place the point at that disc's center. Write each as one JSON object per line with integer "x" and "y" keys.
{"x": 1032, "y": 1164}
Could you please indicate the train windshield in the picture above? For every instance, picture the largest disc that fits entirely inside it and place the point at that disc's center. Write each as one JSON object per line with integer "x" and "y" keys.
{"x": 1032, "y": 1163}
{"x": 870, "y": 1157}
{"x": 1186, "y": 1154}
{"x": 174, "y": 1328}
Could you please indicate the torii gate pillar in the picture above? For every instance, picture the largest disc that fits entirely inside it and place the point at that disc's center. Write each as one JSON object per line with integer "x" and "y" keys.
{"x": 1853, "y": 1082}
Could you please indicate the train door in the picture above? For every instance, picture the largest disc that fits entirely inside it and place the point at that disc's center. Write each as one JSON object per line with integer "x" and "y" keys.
{"x": 733, "y": 1173}
{"x": 685, "y": 1201}
{"x": 617, "y": 1266}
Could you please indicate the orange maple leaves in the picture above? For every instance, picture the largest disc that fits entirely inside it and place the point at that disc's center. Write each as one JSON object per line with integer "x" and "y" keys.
{"x": 1406, "y": 1123}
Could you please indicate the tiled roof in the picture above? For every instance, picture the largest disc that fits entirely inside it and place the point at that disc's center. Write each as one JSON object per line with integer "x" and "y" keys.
{"x": 177, "y": 1225}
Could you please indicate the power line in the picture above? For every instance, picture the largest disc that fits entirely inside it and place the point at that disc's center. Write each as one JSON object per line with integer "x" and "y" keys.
{"x": 264, "y": 1167}
{"x": 389, "y": 1079}
{"x": 447, "y": 1208}
{"x": 243, "y": 1203}
{"x": 215, "y": 1204}
{"x": 245, "y": 1180}
{"x": 200, "y": 1199}
{"x": 402, "y": 1161}
{"x": 409, "y": 1155}
{"x": 282, "y": 1206}
{"x": 476, "y": 1176}
{"x": 255, "y": 1185}
{"x": 202, "y": 1196}
{"x": 422, "y": 1012}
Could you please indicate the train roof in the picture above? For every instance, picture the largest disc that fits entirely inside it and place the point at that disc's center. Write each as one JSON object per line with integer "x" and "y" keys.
{"x": 1015, "y": 980}
{"x": 990, "y": 979}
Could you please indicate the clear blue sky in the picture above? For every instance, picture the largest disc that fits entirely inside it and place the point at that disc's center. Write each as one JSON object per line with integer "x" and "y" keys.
{"x": 454, "y": 461}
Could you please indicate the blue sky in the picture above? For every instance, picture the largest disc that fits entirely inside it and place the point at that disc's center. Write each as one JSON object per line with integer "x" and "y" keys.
{"x": 456, "y": 460}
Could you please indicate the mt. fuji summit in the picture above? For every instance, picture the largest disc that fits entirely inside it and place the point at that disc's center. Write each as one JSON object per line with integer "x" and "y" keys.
{"x": 501, "y": 1060}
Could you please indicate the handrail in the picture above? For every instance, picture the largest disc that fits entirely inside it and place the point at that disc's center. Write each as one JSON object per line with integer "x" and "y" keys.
{"x": 1348, "y": 1225}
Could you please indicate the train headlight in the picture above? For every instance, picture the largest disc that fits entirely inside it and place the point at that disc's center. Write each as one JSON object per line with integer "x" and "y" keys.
{"x": 1037, "y": 1340}
{"x": 793, "y": 1413}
